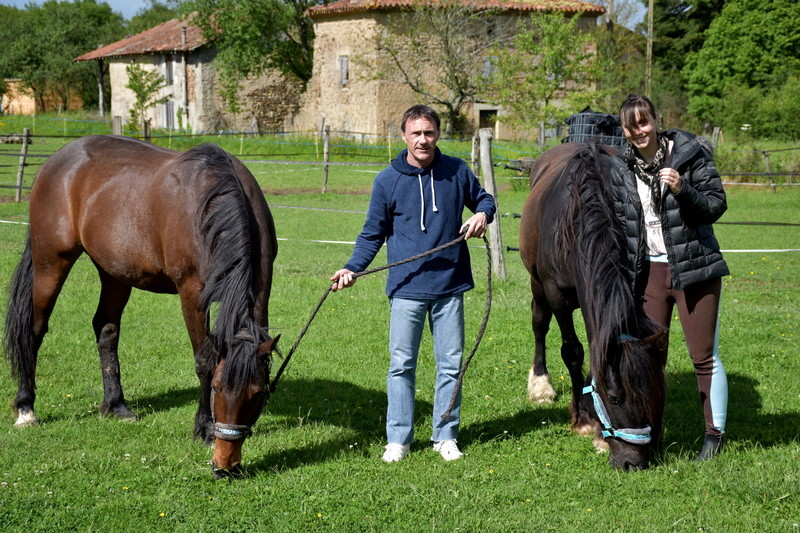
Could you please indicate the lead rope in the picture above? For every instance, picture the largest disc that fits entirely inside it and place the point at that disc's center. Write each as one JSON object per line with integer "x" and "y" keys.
{"x": 274, "y": 384}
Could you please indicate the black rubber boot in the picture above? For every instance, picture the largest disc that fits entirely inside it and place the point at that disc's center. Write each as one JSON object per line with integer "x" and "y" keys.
{"x": 712, "y": 447}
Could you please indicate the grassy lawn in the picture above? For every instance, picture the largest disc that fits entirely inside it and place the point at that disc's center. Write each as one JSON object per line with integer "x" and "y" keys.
{"x": 314, "y": 460}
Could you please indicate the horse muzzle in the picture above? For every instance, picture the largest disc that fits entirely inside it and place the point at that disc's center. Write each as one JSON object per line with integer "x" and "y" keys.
{"x": 228, "y": 449}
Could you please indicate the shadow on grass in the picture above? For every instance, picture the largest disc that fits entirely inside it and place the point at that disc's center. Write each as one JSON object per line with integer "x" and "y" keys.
{"x": 362, "y": 412}
{"x": 746, "y": 422}
{"x": 518, "y": 424}
{"x": 342, "y": 404}
{"x": 146, "y": 405}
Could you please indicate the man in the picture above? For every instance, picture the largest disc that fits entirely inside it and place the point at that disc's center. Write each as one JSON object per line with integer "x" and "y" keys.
{"x": 416, "y": 205}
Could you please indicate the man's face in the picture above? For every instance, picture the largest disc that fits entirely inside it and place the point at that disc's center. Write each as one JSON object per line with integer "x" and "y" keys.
{"x": 420, "y": 136}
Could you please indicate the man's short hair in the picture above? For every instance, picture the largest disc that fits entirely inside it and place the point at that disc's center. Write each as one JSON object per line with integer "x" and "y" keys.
{"x": 420, "y": 111}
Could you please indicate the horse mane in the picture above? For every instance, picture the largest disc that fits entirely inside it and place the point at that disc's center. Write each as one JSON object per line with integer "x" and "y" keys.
{"x": 226, "y": 228}
{"x": 614, "y": 319}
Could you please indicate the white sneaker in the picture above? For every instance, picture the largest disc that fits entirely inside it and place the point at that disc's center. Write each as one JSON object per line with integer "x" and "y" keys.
{"x": 395, "y": 452}
{"x": 448, "y": 449}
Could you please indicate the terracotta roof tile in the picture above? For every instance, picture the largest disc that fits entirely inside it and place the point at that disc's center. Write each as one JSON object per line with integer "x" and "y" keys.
{"x": 360, "y": 6}
{"x": 166, "y": 37}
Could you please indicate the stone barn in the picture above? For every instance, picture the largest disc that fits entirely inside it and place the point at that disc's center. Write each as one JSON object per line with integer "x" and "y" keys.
{"x": 179, "y": 52}
{"x": 343, "y": 94}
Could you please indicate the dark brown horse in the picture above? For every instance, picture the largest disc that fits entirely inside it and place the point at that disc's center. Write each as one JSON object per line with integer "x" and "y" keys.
{"x": 193, "y": 223}
{"x": 574, "y": 248}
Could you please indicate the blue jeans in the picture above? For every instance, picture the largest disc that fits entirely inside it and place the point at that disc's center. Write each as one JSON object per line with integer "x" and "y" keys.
{"x": 446, "y": 318}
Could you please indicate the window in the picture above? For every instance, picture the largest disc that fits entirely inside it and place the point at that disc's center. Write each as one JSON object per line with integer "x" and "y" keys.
{"x": 168, "y": 70}
{"x": 344, "y": 70}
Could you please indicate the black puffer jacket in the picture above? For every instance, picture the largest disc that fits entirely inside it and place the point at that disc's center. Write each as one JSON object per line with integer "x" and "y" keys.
{"x": 686, "y": 217}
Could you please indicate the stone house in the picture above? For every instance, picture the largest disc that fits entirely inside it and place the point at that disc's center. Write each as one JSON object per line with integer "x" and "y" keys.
{"x": 179, "y": 52}
{"x": 341, "y": 93}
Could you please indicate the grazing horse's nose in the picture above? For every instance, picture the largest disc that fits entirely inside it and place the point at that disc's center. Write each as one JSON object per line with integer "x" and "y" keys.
{"x": 632, "y": 466}
{"x": 227, "y": 456}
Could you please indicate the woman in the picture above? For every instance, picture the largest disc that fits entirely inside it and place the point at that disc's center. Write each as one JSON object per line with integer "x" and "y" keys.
{"x": 669, "y": 195}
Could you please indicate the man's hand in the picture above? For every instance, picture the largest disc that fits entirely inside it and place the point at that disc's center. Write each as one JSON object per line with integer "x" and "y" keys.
{"x": 475, "y": 226}
{"x": 342, "y": 278}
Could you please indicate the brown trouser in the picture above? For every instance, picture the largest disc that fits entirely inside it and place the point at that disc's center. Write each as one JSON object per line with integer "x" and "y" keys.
{"x": 698, "y": 307}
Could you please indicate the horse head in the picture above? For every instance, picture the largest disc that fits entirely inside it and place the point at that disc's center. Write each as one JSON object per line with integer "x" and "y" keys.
{"x": 239, "y": 392}
{"x": 626, "y": 395}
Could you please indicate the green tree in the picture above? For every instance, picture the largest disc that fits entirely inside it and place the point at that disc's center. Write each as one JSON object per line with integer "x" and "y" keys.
{"x": 679, "y": 28}
{"x": 624, "y": 69}
{"x": 252, "y": 36}
{"x": 45, "y": 40}
{"x": 157, "y": 12}
{"x": 443, "y": 63}
{"x": 753, "y": 43}
{"x": 549, "y": 73}
{"x": 146, "y": 86}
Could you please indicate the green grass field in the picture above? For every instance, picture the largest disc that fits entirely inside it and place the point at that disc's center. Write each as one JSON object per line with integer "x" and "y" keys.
{"x": 314, "y": 460}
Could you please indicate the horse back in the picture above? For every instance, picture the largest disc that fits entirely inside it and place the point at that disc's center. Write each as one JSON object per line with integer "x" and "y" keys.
{"x": 546, "y": 204}
{"x": 131, "y": 206}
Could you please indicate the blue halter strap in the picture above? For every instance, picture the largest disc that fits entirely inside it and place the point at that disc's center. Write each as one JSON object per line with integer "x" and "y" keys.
{"x": 631, "y": 435}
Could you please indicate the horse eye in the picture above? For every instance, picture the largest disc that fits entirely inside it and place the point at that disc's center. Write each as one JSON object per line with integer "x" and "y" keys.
{"x": 613, "y": 399}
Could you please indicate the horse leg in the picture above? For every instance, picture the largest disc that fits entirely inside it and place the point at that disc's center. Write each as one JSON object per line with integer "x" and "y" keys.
{"x": 35, "y": 289}
{"x": 572, "y": 355}
{"x": 540, "y": 388}
{"x": 114, "y": 297}
{"x": 204, "y": 357}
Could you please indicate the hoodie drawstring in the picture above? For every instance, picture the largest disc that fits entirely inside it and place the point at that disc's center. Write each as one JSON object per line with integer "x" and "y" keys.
{"x": 422, "y": 201}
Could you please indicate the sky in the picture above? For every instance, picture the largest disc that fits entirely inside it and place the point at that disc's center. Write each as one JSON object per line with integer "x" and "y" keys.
{"x": 127, "y": 8}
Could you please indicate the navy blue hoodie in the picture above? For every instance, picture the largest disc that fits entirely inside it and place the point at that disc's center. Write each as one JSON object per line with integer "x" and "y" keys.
{"x": 414, "y": 210}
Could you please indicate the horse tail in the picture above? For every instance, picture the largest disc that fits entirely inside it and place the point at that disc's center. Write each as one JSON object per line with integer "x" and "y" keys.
{"x": 600, "y": 258}
{"x": 18, "y": 338}
{"x": 225, "y": 225}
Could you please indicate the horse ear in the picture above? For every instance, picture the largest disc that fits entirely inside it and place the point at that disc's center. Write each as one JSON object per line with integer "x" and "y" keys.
{"x": 266, "y": 348}
{"x": 659, "y": 339}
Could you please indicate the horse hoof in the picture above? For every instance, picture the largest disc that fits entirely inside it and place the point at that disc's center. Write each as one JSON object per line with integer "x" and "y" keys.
{"x": 600, "y": 445}
{"x": 26, "y": 419}
{"x": 122, "y": 412}
{"x": 229, "y": 474}
{"x": 539, "y": 388}
{"x": 584, "y": 430}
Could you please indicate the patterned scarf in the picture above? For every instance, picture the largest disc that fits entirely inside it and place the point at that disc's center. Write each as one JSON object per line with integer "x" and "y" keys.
{"x": 648, "y": 172}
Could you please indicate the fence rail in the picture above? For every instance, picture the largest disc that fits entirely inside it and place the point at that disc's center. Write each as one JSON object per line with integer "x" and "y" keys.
{"x": 26, "y": 158}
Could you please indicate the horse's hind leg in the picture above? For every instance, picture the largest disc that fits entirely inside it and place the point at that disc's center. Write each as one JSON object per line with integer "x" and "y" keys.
{"x": 540, "y": 388}
{"x": 113, "y": 298}
{"x": 34, "y": 291}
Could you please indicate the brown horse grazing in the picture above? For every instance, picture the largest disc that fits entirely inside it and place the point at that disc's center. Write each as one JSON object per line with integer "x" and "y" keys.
{"x": 193, "y": 223}
{"x": 574, "y": 248}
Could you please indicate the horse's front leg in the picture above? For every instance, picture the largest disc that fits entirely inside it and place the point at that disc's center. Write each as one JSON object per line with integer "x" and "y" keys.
{"x": 114, "y": 297}
{"x": 572, "y": 354}
{"x": 204, "y": 358}
{"x": 540, "y": 388}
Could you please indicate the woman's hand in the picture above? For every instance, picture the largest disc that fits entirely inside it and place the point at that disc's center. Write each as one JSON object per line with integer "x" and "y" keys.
{"x": 671, "y": 177}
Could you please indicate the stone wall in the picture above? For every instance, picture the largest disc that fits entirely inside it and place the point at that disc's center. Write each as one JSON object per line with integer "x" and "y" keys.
{"x": 266, "y": 103}
{"x": 361, "y": 105}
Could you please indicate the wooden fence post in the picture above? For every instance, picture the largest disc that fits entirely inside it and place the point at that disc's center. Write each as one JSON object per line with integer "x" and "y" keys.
{"x": 768, "y": 169}
{"x": 487, "y": 173}
{"x": 326, "y": 156}
{"x": 117, "y": 125}
{"x": 476, "y": 150}
{"x": 22, "y": 155}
